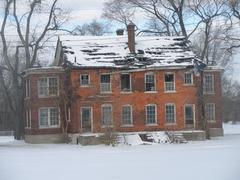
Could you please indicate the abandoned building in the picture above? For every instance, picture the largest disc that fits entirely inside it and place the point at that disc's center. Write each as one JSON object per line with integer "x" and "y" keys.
{"x": 129, "y": 83}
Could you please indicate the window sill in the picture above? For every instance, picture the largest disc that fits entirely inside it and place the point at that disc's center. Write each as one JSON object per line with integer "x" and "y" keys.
{"x": 125, "y": 92}
{"x": 107, "y": 126}
{"x": 48, "y": 96}
{"x": 155, "y": 124}
{"x": 188, "y": 84}
{"x": 49, "y": 127}
{"x": 149, "y": 92}
{"x": 209, "y": 93}
{"x": 129, "y": 125}
{"x": 170, "y": 124}
{"x": 109, "y": 92}
{"x": 170, "y": 91}
{"x": 211, "y": 121}
{"x": 85, "y": 86}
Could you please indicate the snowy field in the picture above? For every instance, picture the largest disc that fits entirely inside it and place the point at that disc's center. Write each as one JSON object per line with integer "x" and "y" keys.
{"x": 217, "y": 159}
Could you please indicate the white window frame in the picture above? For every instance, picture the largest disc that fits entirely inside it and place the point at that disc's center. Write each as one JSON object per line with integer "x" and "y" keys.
{"x": 193, "y": 108}
{"x": 130, "y": 80}
{"x": 111, "y": 123}
{"x": 48, "y": 126}
{"x": 48, "y": 95}
{"x": 110, "y": 84}
{"x": 205, "y": 91}
{"x": 165, "y": 83}
{"x": 85, "y": 85}
{"x": 186, "y": 83}
{"x": 145, "y": 82}
{"x": 28, "y": 119}
{"x": 214, "y": 112}
{"x": 131, "y": 116}
{"x": 175, "y": 118}
{"x": 28, "y": 88}
{"x": 146, "y": 120}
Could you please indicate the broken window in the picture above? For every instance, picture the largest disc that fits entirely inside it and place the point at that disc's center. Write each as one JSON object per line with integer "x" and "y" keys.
{"x": 189, "y": 114}
{"x": 125, "y": 82}
{"x": 208, "y": 83}
{"x": 150, "y": 82}
{"x": 126, "y": 115}
{"x": 84, "y": 80}
{"x": 210, "y": 112}
{"x": 170, "y": 113}
{"x": 48, "y": 86}
{"x": 105, "y": 83}
{"x": 49, "y": 117}
{"x": 106, "y": 115}
{"x": 151, "y": 114}
{"x": 169, "y": 82}
{"x": 188, "y": 78}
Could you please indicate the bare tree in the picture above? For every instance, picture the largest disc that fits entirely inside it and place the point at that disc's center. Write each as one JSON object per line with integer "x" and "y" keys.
{"x": 32, "y": 39}
{"x": 118, "y": 11}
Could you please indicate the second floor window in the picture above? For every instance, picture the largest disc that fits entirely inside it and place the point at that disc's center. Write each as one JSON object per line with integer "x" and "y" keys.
{"x": 48, "y": 86}
{"x": 105, "y": 84}
{"x": 208, "y": 83}
{"x": 188, "y": 78}
{"x": 84, "y": 80}
{"x": 28, "y": 88}
{"x": 125, "y": 82}
{"x": 169, "y": 82}
{"x": 150, "y": 82}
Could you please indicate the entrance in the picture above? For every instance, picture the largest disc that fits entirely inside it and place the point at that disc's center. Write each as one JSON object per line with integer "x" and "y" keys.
{"x": 189, "y": 116}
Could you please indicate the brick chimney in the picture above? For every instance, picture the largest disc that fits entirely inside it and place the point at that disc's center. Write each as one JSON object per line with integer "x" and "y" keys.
{"x": 131, "y": 37}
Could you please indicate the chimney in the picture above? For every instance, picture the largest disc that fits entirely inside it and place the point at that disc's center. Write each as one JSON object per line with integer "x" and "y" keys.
{"x": 131, "y": 37}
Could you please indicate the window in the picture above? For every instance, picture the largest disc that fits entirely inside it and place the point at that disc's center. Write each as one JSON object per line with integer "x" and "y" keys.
{"x": 105, "y": 83}
{"x": 170, "y": 113}
{"x": 210, "y": 112}
{"x": 106, "y": 115}
{"x": 208, "y": 83}
{"x": 28, "y": 118}
{"x": 49, "y": 117}
{"x": 84, "y": 80}
{"x": 125, "y": 82}
{"x": 48, "y": 86}
{"x": 126, "y": 115}
{"x": 189, "y": 114}
{"x": 151, "y": 114}
{"x": 188, "y": 78}
{"x": 169, "y": 82}
{"x": 28, "y": 88}
{"x": 150, "y": 82}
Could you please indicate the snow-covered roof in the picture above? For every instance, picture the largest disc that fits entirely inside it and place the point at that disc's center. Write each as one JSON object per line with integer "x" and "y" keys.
{"x": 113, "y": 51}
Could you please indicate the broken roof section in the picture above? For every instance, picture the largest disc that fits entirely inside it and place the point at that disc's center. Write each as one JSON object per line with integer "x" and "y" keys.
{"x": 113, "y": 51}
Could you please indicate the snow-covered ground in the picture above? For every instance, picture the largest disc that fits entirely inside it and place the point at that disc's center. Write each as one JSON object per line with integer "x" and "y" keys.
{"x": 217, "y": 159}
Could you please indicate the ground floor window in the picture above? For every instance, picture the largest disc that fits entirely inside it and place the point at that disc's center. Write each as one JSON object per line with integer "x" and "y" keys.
{"x": 126, "y": 115}
{"x": 28, "y": 118}
{"x": 210, "y": 112}
{"x": 151, "y": 114}
{"x": 49, "y": 117}
{"x": 189, "y": 113}
{"x": 170, "y": 113}
{"x": 107, "y": 114}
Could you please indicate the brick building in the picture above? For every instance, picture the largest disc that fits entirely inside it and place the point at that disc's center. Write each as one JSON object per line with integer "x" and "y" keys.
{"x": 132, "y": 84}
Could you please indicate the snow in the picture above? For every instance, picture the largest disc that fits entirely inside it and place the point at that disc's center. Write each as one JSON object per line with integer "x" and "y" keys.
{"x": 216, "y": 159}
{"x": 113, "y": 51}
{"x": 230, "y": 128}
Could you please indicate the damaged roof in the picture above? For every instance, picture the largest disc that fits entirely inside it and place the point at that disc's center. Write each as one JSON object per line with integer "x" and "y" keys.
{"x": 113, "y": 51}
